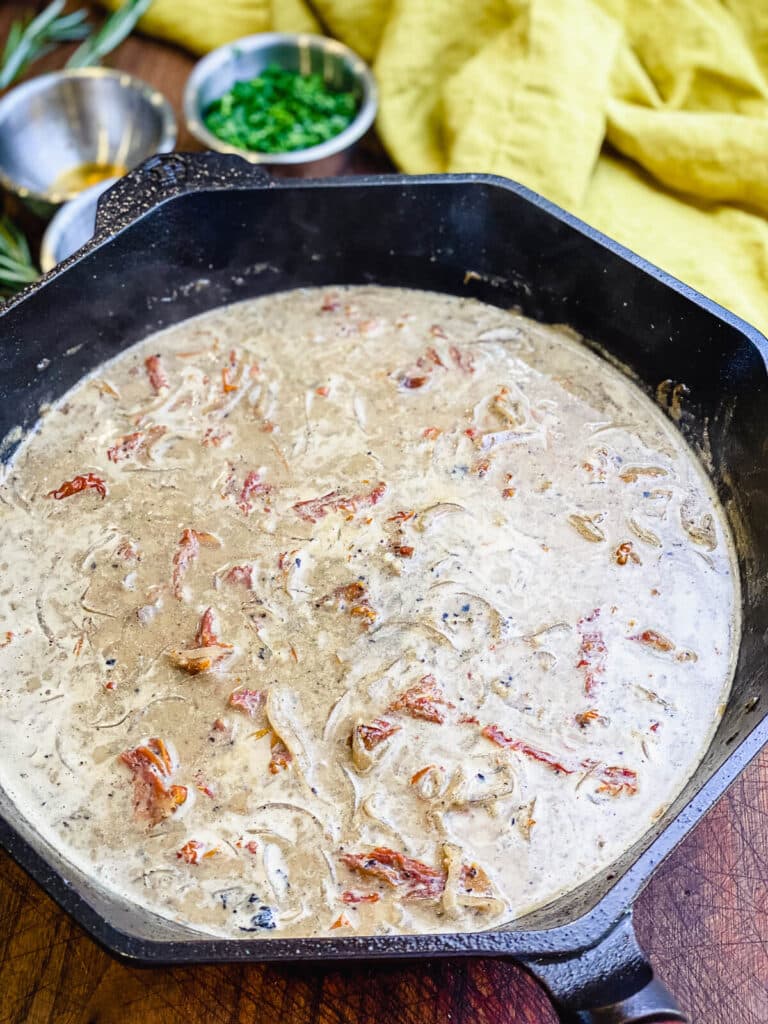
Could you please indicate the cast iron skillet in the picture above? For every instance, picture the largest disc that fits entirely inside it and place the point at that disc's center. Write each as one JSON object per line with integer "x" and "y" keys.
{"x": 185, "y": 233}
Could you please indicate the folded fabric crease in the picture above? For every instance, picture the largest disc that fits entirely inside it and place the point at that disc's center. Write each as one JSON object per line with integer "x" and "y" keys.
{"x": 648, "y": 118}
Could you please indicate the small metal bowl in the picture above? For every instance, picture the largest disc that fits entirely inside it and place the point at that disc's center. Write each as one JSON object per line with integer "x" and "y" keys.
{"x": 245, "y": 58}
{"x": 55, "y": 124}
{"x": 72, "y": 225}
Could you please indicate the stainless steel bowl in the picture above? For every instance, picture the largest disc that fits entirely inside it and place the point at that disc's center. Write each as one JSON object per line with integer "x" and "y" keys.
{"x": 72, "y": 225}
{"x": 245, "y": 58}
{"x": 55, "y": 124}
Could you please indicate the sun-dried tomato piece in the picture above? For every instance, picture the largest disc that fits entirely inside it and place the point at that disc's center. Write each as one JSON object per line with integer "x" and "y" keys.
{"x": 241, "y": 574}
{"x": 156, "y": 373}
{"x": 433, "y": 356}
{"x": 421, "y": 773}
{"x": 349, "y": 592}
{"x": 227, "y": 384}
{"x": 281, "y": 756}
{"x": 350, "y": 597}
{"x": 210, "y": 650}
{"x": 421, "y": 372}
{"x": 206, "y": 632}
{"x": 152, "y": 768}
{"x": 463, "y": 360}
{"x": 190, "y": 851}
{"x": 617, "y": 781}
{"x": 137, "y": 443}
{"x": 282, "y": 561}
{"x": 403, "y": 550}
{"x": 612, "y": 779}
{"x": 86, "y": 482}
{"x": 313, "y": 509}
{"x": 424, "y": 700}
{"x": 200, "y": 659}
{"x": 431, "y": 433}
{"x": 411, "y": 383}
{"x": 633, "y": 473}
{"x": 126, "y": 446}
{"x": 583, "y": 718}
{"x": 250, "y": 845}
{"x": 468, "y": 720}
{"x": 187, "y": 551}
{"x": 128, "y": 550}
{"x": 250, "y": 702}
{"x": 330, "y": 304}
{"x": 214, "y": 438}
{"x": 657, "y": 641}
{"x": 495, "y": 735}
{"x": 204, "y": 788}
{"x": 419, "y": 880}
{"x": 359, "y": 897}
{"x": 253, "y": 487}
{"x": 401, "y": 517}
{"x": 193, "y": 851}
{"x": 373, "y": 733}
{"x": 592, "y": 651}
{"x": 364, "y": 612}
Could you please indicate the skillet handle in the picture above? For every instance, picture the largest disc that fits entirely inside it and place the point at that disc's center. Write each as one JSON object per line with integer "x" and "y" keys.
{"x": 610, "y": 983}
{"x": 166, "y": 175}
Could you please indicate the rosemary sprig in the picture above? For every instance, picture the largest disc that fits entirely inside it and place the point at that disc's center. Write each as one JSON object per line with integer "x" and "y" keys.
{"x": 29, "y": 40}
{"x": 16, "y": 266}
{"x": 114, "y": 30}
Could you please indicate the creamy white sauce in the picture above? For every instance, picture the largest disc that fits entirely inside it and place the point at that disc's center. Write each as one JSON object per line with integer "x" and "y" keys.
{"x": 516, "y": 566}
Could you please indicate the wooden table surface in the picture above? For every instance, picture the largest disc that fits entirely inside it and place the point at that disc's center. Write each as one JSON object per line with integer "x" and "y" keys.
{"x": 703, "y": 918}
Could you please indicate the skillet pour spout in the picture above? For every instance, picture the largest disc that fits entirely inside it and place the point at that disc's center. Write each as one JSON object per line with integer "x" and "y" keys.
{"x": 185, "y": 233}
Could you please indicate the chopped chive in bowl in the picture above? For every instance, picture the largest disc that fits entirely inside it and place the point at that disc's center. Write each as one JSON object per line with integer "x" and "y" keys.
{"x": 280, "y": 111}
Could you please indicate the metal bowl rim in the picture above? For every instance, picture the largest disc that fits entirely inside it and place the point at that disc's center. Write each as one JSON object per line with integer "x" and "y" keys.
{"x": 263, "y": 40}
{"x": 62, "y": 219}
{"x": 126, "y": 80}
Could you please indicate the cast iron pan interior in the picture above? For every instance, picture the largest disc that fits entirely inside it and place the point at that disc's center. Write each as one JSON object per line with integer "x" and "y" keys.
{"x": 222, "y": 233}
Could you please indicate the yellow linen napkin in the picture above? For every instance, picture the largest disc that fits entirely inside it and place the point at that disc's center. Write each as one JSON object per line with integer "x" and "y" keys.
{"x": 648, "y": 118}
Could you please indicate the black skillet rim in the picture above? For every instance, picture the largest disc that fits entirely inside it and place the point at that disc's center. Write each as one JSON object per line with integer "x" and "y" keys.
{"x": 196, "y": 172}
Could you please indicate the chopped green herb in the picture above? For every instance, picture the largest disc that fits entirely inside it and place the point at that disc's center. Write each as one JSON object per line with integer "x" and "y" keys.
{"x": 280, "y": 111}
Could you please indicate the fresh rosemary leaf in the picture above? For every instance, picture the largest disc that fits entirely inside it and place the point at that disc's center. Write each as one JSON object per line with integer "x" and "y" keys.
{"x": 114, "y": 30}
{"x": 29, "y": 40}
{"x": 16, "y": 266}
{"x": 69, "y": 27}
{"x": 14, "y": 37}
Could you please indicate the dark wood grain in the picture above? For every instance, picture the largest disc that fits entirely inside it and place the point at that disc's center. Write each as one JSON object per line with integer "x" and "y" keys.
{"x": 703, "y": 919}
